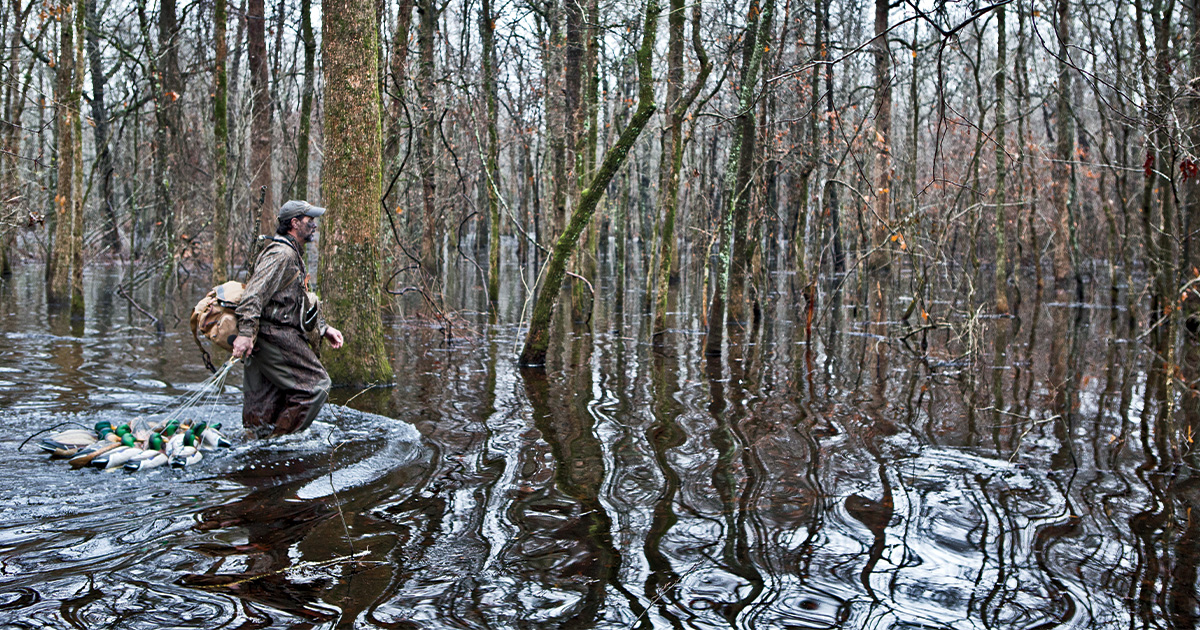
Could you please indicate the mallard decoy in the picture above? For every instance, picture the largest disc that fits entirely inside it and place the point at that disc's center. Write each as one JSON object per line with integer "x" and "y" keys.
{"x": 150, "y": 457}
{"x": 118, "y": 456}
{"x": 68, "y": 443}
{"x": 187, "y": 454}
{"x": 107, "y": 442}
{"x": 211, "y": 437}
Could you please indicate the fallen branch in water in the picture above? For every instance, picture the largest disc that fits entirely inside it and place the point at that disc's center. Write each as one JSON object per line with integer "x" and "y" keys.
{"x": 157, "y": 324}
{"x": 286, "y": 571}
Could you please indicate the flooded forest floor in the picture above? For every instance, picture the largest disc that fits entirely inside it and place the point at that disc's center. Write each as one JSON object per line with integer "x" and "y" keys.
{"x": 951, "y": 469}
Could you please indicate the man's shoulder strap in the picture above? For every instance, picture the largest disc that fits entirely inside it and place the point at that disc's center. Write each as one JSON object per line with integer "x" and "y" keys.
{"x": 284, "y": 242}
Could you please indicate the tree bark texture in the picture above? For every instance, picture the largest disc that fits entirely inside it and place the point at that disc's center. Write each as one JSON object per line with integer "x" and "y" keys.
{"x": 100, "y": 130}
{"x": 351, "y": 189}
{"x": 220, "y": 145}
{"x": 721, "y": 292}
{"x": 1064, "y": 148}
{"x": 58, "y": 290}
{"x": 306, "y": 99}
{"x": 487, "y": 35}
{"x": 739, "y": 190}
{"x": 882, "y": 219}
{"x": 1001, "y": 275}
{"x": 426, "y": 156}
{"x": 262, "y": 193}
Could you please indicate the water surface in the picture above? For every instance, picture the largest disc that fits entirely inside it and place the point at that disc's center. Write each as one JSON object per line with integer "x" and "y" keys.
{"x": 994, "y": 472}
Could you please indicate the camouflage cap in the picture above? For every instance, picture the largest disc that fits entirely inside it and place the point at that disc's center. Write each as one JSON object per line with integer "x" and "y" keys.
{"x": 296, "y": 208}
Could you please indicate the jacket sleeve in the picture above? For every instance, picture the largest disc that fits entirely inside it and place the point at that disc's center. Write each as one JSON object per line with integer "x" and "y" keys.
{"x": 267, "y": 280}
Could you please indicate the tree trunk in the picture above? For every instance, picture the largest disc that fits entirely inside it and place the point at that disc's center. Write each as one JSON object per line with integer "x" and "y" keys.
{"x": 575, "y": 77}
{"x": 58, "y": 289}
{"x": 744, "y": 153}
{"x": 1064, "y": 148}
{"x": 169, "y": 108}
{"x": 426, "y": 163}
{"x": 262, "y": 193}
{"x": 100, "y": 130}
{"x": 882, "y": 219}
{"x": 399, "y": 72}
{"x": 487, "y": 35}
{"x": 809, "y": 161}
{"x": 1001, "y": 277}
{"x": 10, "y": 135}
{"x": 556, "y": 125}
{"x": 220, "y": 146}
{"x": 306, "y": 99}
{"x": 1161, "y": 17}
{"x": 538, "y": 339}
{"x": 350, "y": 265}
{"x": 734, "y": 191}
{"x": 77, "y": 169}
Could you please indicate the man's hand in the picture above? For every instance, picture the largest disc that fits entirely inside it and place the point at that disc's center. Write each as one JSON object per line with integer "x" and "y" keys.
{"x": 334, "y": 336}
{"x": 243, "y": 345}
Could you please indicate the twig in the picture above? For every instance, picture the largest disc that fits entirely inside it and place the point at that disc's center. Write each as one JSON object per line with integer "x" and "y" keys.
{"x": 337, "y": 502}
{"x": 60, "y": 424}
{"x": 157, "y": 324}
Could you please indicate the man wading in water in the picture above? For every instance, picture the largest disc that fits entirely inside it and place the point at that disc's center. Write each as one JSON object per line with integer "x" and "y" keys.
{"x": 285, "y": 383}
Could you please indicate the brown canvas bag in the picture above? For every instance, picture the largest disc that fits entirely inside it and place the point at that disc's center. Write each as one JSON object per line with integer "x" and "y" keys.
{"x": 214, "y": 317}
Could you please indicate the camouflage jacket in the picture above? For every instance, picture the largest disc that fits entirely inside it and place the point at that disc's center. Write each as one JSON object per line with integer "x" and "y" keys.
{"x": 275, "y": 293}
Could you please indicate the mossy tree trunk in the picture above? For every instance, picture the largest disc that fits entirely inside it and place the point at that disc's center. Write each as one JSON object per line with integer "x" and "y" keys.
{"x": 351, "y": 188}
{"x": 537, "y": 340}
{"x": 742, "y": 158}
{"x": 220, "y": 146}
{"x": 734, "y": 192}
{"x": 672, "y": 157}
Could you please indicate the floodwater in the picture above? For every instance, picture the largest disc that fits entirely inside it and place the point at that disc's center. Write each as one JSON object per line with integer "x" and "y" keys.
{"x": 864, "y": 471}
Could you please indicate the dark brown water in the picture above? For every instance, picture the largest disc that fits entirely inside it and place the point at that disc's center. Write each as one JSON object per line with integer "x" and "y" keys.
{"x": 978, "y": 473}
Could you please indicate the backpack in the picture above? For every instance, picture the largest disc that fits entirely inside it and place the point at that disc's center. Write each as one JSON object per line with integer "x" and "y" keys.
{"x": 214, "y": 317}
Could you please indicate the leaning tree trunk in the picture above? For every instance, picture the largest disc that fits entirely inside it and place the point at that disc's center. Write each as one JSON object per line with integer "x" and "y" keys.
{"x": 220, "y": 147}
{"x": 351, "y": 186}
{"x": 538, "y": 339}
{"x": 721, "y": 293}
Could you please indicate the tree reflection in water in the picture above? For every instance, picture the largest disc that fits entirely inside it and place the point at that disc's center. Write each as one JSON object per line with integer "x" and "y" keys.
{"x": 849, "y": 466}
